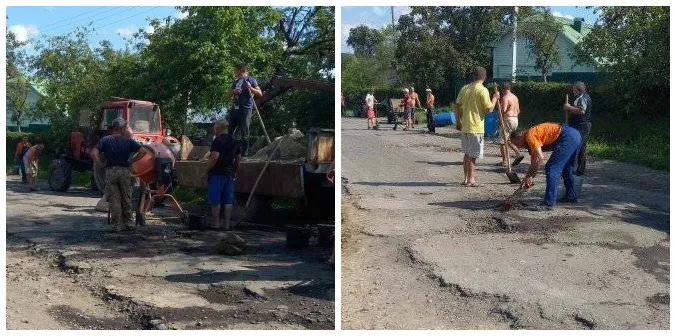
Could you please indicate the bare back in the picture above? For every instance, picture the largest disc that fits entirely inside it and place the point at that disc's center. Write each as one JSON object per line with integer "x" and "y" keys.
{"x": 510, "y": 105}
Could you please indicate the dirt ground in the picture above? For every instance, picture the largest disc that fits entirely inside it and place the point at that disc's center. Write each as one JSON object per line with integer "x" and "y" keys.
{"x": 421, "y": 251}
{"x": 66, "y": 270}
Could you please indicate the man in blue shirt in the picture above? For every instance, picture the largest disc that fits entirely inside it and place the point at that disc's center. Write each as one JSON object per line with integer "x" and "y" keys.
{"x": 244, "y": 88}
{"x": 117, "y": 149}
{"x": 579, "y": 117}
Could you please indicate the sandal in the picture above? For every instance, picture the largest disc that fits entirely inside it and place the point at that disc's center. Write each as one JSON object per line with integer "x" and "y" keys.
{"x": 517, "y": 160}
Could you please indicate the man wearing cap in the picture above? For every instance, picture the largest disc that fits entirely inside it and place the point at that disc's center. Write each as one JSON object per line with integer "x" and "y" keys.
{"x": 244, "y": 87}
{"x": 221, "y": 169}
{"x": 117, "y": 149}
{"x": 564, "y": 142}
{"x": 415, "y": 103}
{"x": 430, "y": 111}
{"x": 407, "y": 109}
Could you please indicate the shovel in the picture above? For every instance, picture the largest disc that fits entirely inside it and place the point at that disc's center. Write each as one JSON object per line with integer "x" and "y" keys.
{"x": 257, "y": 181}
{"x": 513, "y": 176}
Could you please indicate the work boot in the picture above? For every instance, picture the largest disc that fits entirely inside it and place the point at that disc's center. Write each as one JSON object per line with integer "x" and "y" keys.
{"x": 568, "y": 200}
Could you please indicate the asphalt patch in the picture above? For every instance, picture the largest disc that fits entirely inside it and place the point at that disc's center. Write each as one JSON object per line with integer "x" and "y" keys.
{"x": 516, "y": 223}
{"x": 654, "y": 260}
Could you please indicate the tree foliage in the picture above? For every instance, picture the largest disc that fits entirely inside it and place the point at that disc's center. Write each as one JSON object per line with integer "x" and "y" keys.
{"x": 364, "y": 40}
{"x": 632, "y": 44}
{"x": 542, "y": 31}
{"x": 442, "y": 43}
{"x": 187, "y": 65}
{"x": 17, "y": 85}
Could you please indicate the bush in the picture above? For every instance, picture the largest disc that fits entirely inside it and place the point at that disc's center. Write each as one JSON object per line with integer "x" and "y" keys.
{"x": 616, "y": 133}
{"x": 45, "y": 138}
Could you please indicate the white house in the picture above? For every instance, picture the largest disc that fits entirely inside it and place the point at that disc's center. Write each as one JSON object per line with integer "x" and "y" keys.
{"x": 27, "y": 124}
{"x": 572, "y": 33}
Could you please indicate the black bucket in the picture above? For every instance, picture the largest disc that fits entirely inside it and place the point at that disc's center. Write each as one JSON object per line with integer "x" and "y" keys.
{"x": 197, "y": 222}
{"x": 326, "y": 235}
{"x": 297, "y": 237}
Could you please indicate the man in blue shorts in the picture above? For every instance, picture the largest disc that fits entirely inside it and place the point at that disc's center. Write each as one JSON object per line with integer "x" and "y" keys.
{"x": 221, "y": 168}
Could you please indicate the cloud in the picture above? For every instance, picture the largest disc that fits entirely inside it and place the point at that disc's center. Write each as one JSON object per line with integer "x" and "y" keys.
{"x": 401, "y": 10}
{"x": 380, "y": 11}
{"x": 23, "y": 32}
{"x": 149, "y": 29}
{"x": 562, "y": 15}
{"x": 126, "y": 31}
{"x": 180, "y": 15}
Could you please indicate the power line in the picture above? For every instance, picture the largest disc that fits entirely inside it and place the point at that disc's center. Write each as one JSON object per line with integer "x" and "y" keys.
{"x": 69, "y": 19}
{"x": 105, "y": 15}
{"x": 126, "y": 18}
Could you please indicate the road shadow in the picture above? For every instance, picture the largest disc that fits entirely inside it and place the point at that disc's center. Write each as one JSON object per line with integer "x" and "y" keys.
{"x": 304, "y": 272}
{"x": 453, "y": 135}
{"x": 19, "y": 187}
{"x": 650, "y": 213}
{"x": 441, "y": 163}
{"x": 403, "y": 184}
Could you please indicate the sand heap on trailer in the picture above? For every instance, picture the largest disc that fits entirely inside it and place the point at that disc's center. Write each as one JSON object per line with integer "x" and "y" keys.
{"x": 290, "y": 147}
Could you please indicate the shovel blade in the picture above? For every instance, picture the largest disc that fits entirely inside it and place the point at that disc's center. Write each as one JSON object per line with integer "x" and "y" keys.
{"x": 513, "y": 176}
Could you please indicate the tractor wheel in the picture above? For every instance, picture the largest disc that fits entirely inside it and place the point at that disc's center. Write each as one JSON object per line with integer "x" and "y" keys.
{"x": 99, "y": 178}
{"x": 60, "y": 174}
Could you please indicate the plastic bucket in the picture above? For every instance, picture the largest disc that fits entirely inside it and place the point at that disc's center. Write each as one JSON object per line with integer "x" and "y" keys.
{"x": 491, "y": 125}
{"x": 444, "y": 119}
{"x": 297, "y": 237}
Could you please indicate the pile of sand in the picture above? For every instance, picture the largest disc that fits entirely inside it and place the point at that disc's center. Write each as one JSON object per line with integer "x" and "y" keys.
{"x": 289, "y": 147}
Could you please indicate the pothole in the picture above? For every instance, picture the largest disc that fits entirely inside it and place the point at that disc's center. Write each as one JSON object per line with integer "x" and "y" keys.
{"x": 516, "y": 223}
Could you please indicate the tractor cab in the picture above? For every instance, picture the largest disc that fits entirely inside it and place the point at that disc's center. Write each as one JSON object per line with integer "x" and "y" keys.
{"x": 143, "y": 117}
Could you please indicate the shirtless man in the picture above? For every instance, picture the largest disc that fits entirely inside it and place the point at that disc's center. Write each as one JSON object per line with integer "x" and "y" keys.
{"x": 430, "y": 111}
{"x": 415, "y": 103}
{"x": 510, "y": 112}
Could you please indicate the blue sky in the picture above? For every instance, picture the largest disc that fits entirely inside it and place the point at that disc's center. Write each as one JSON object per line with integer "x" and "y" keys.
{"x": 379, "y": 16}
{"x": 110, "y": 23}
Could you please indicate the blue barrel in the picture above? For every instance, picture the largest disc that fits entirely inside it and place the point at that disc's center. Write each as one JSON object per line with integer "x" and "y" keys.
{"x": 491, "y": 124}
{"x": 444, "y": 119}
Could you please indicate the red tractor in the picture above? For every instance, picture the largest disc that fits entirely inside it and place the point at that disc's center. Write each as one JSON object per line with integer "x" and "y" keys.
{"x": 145, "y": 122}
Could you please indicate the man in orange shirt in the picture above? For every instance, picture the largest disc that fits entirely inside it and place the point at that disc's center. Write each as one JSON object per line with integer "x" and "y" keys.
{"x": 564, "y": 141}
{"x": 21, "y": 149}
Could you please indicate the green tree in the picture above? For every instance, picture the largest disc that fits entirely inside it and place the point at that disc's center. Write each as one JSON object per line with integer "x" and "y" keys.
{"x": 364, "y": 40}
{"x": 74, "y": 78}
{"x": 542, "y": 31}
{"x": 190, "y": 62}
{"x": 439, "y": 44}
{"x": 632, "y": 45}
{"x": 17, "y": 85}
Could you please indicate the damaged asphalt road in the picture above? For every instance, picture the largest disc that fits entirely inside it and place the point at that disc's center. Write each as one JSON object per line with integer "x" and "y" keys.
{"x": 65, "y": 270}
{"x": 421, "y": 251}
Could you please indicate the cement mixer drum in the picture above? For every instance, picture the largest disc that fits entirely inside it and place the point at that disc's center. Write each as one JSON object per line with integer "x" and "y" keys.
{"x": 156, "y": 166}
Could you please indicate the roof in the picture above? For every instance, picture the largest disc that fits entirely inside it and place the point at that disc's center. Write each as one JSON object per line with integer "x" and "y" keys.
{"x": 36, "y": 86}
{"x": 568, "y": 27}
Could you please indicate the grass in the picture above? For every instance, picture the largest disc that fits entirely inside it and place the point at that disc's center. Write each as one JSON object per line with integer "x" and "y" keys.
{"x": 192, "y": 196}
{"x": 637, "y": 151}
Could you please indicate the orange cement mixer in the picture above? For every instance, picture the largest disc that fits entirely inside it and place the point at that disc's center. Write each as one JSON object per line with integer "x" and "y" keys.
{"x": 156, "y": 171}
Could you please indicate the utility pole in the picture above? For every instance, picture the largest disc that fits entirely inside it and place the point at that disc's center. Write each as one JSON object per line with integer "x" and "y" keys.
{"x": 515, "y": 39}
{"x": 392, "y": 15}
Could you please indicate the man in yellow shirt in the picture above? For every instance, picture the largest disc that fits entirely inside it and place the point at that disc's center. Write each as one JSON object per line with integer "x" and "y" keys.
{"x": 473, "y": 103}
{"x": 564, "y": 142}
